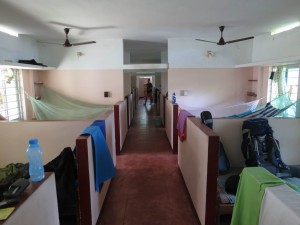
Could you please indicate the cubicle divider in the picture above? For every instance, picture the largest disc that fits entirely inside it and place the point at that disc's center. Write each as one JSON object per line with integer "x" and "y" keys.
{"x": 91, "y": 201}
{"x": 162, "y": 107}
{"x": 121, "y": 124}
{"x": 130, "y": 108}
{"x": 54, "y": 136}
{"x": 198, "y": 163}
{"x": 171, "y": 118}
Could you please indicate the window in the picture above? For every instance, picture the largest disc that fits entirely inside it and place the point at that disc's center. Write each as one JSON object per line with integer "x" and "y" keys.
{"x": 10, "y": 94}
{"x": 286, "y": 81}
{"x": 292, "y": 76}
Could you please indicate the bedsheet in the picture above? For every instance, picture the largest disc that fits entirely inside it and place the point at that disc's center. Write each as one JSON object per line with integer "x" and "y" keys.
{"x": 250, "y": 192}
{"x": 280, "y": 205}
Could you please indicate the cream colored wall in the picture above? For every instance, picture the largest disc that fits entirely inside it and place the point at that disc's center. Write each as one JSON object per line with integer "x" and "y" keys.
{"x": 169, "y": 121}
{"x": 53, "y": 137}
{"x": 39, "y": 208}
{"x": 123, "y": 123}
{"x": 110, "y": 136}
{"x": 191, "y": 153}
{"x": 127, "y": 83}
{"x": 86, "y": 85}
{"x": 207, "y": 87}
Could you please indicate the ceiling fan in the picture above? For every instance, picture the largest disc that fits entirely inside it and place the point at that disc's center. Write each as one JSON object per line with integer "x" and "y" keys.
{"x": 222, "y": 41}
{"x": 68, "y": 44}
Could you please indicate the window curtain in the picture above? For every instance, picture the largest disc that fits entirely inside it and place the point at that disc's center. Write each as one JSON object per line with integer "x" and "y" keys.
{"x": 279, "y": 81}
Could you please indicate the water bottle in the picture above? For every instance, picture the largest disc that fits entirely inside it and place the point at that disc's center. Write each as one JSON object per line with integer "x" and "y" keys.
{"x": 34, "y": 154}
{"x": 173, "y": 98}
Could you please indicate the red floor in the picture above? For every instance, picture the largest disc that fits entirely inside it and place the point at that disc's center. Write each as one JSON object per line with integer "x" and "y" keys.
{"x": 148, "y": 188}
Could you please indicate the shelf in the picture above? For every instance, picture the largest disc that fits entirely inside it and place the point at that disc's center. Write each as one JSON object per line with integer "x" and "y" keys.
{"x": 14, "y": 65}
{"x": 273, "y": 62}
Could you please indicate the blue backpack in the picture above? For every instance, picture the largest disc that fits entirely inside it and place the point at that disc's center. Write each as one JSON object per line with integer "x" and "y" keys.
{"x": 260, "y": 148}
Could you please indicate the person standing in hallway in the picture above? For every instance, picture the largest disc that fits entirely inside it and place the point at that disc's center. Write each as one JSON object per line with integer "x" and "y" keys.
{"x": 149, "y": 88}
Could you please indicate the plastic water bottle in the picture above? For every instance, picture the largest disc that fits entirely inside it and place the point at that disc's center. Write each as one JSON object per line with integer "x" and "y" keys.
{"x": 173, "y": 98}
{"x": 34, "y": 154}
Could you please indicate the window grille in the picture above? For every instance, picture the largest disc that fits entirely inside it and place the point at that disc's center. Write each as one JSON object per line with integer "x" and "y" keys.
{"x": 11, "y": 103}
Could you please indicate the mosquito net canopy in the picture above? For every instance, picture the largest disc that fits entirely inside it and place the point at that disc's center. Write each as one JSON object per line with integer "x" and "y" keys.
{"x": 55, "y": 106}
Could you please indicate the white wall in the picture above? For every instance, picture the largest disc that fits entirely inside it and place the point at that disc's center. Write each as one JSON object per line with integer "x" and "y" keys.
{"x": 105, "y": 54}
{"x": 16, "y": 48}
{"x": 188, "y": 53}
{"x": 280, "y": 47}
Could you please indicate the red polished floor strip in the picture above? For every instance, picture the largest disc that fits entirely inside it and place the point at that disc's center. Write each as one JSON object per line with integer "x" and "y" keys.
{"x": 148, "y": 188}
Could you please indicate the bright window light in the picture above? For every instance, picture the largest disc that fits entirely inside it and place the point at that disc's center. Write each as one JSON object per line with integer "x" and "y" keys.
{"x": 8, "y": 31}
{"x": 285, "y": 28}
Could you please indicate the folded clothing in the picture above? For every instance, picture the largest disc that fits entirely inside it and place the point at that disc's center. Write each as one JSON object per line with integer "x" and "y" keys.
{"x": 31, "y": 62}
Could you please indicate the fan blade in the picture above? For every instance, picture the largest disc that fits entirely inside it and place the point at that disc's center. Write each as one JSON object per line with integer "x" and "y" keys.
{"x": 84, "y": 43}
{"x": 206, "y": 41}
{"x": 81, "y": 28}
{"x": 237, "y": 40}
{"x": 51, "y": 43}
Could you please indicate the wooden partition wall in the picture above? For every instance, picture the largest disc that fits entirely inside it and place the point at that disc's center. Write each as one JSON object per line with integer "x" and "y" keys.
{"x": 121, "y": 124}
{"x": 171, "y": 118}
{"x": 90, "y": 201}
{"x": 198, "y": 163}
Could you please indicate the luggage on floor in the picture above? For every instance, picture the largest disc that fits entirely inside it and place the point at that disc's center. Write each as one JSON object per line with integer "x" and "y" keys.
{"x": 260, "y": 148}
{"x": 223, "y": 163}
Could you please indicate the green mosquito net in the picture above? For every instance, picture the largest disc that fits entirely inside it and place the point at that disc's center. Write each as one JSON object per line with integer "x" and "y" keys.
{"x": 55, "y": 106}
{"x": 288, "y": 108}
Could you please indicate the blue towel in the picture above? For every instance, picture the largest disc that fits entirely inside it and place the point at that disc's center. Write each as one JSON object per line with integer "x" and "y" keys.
{"x": 101, "y": 125}
{"x": 104, "y": 166}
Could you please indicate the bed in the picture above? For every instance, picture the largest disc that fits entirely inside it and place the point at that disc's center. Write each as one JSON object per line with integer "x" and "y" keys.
{"x": 264, "y": 199}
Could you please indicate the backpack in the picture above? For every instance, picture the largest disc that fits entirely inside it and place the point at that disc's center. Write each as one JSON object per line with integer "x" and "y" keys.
{"x": 260, "y": 148}
{"x": 223, "y": 162}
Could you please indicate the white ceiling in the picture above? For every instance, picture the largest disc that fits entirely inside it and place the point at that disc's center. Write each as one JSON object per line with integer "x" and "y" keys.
{"x": 144, "y": 22}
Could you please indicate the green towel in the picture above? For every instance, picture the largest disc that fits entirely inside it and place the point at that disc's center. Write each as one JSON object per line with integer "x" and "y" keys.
{"x": 251, "y": 188}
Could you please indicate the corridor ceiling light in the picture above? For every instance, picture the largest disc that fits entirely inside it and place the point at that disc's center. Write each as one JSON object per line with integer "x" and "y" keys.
{"x": 8, "y": 31}
{"x": 285, "y": 28}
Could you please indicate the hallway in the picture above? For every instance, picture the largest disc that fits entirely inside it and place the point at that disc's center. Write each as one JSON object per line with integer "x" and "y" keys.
{"x": 148, "y": 188}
